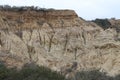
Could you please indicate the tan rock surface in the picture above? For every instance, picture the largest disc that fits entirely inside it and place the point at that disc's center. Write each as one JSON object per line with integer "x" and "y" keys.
{"x": 59, "y": 41}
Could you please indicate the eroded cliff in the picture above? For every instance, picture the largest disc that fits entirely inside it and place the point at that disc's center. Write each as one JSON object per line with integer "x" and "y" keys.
{"x": 58, "y": 39}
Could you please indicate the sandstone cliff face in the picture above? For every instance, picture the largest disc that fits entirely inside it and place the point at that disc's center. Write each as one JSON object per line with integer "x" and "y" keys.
{"x": 59, "y": 40}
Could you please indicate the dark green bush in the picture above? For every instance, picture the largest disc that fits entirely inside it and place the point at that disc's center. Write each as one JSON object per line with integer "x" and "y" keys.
{"x": 34, "y": 72}
{"x": 104, "y": 23}
{"x": 4, "y": 72}
{"x": 29, "y": 73}
{"x": 92, "y": 75}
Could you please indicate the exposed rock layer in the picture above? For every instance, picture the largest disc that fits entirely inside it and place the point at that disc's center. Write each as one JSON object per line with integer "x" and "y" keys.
{"x": 59, "y": 40}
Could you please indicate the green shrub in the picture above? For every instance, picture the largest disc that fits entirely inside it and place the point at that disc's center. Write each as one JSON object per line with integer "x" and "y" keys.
{"x": 104, "y": 23}
{"x": 3, "y": 72}
{"x": 29, "y": 73}
{"x": 92, "y": 75}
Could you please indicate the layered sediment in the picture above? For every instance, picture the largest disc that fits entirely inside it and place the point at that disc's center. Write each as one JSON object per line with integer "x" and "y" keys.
{"x": 58, "y": 39}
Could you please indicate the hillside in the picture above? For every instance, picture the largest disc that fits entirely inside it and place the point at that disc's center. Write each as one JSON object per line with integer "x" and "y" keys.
{"x": 60, "y": 40}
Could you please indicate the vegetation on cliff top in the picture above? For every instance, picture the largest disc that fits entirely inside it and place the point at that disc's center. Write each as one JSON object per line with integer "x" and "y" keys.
{"x": 104, "y": 23}
{"x": 22, "y": 8}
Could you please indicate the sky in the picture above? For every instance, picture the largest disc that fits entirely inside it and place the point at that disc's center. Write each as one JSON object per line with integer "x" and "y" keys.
{"x": 87, "y": 9}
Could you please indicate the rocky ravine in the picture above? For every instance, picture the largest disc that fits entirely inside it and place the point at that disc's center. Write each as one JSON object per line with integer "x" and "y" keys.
{"x": 58, "y": 39}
